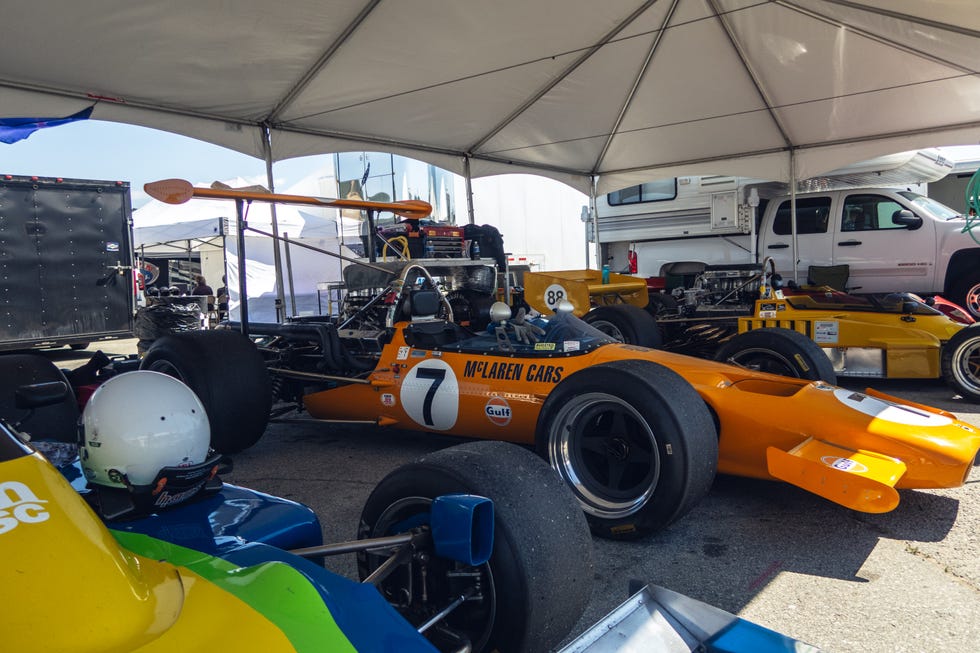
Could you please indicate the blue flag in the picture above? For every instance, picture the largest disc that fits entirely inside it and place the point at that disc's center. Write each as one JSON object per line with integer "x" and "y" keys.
{"x": 17, "y": 129}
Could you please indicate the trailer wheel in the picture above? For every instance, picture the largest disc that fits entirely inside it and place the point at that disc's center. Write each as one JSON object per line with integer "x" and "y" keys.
{"x": 538, "y": 579}
{"x": 966, "y": 293}
{"x": 778, "y": 351}
{"x": 960, "y": 362}
{"x": 227, "y": 373}
{"x": 634, "y": 441}
{"x": 626, "y": 323}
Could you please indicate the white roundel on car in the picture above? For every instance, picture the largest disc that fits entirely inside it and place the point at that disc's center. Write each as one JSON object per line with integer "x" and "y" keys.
{"x": 889, "y": 412}
{"x": 430, "y": 394}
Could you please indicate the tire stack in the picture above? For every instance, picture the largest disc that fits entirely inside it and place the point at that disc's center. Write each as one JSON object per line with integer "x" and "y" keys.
{"x": 161, "y": 319}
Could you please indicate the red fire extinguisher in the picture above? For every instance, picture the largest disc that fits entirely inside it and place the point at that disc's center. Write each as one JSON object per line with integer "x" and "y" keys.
{"x": 631, "y": 259}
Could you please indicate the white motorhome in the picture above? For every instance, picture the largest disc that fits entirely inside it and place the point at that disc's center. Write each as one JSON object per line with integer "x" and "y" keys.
{"x": 871, "y": 217}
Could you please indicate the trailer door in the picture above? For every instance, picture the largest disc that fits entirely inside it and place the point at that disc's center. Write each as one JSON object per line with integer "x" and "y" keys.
{"x": 65, "y": 257}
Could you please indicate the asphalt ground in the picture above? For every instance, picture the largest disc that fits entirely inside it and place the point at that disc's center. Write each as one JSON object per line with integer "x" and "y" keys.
{"x": 904, "y": 581}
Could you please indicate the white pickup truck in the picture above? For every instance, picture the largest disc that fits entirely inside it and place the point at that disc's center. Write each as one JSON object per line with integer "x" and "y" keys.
{"x": 893, "y": 240}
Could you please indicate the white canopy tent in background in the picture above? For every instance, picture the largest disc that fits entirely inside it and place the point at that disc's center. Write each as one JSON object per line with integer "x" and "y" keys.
{"x": 599, "y": 95}
{"x": 623, "y": 91}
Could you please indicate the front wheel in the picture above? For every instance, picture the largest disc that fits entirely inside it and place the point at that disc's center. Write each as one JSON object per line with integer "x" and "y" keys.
{"x": 539, "y": 577}
{"x": 626, "y": 323}
{"x": 634, "y": 441}
{"x": 778, "y": 351}
{"x": 960, "y": 362}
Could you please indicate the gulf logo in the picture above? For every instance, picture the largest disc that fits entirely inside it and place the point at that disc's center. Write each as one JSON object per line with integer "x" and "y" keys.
{"x": 498, "y": 411}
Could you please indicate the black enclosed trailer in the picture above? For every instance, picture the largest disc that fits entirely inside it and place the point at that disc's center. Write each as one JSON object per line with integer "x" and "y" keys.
{"x": 66, "y": 262}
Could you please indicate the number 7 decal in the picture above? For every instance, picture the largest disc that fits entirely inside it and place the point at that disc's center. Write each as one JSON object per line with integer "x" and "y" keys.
{"x": 430, "y": 395}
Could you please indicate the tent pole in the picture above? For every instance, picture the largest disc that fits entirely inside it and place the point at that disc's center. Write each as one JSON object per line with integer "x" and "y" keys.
{"x": 289, "y": 272}
{"x": 242, "y": 290}
{"x": 792, "y": 211}
{"x": 595, "y": 223}
{"x": 469, "y": 190}
{"x": 276, "y": 257}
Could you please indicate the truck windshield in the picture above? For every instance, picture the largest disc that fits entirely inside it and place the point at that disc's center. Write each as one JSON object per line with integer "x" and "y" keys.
{"x": 930, "y": 205}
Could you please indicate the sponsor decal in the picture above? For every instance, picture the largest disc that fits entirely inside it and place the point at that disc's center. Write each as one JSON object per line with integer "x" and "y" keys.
{"x": 418, "y": 353}
{"x": 497, "y": 411}
{"x": 771, "y": 307}
{"x": 112, "y": 246}
{"x": 504, "y": 371}
{"x": 767, "y": 315}
{"x": 544, "y": 346}
{"x": 572, "y": 345}
{"x": 844, "y": 464}
{"x": 403, "y": 353}
{"x": 19, "y": 505}
{"x": 826, "y": 331}
{"x": 388, "y": 399}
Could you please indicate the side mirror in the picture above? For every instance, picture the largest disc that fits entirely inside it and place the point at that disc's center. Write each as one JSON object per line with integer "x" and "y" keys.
{"x": 907, "y": 218}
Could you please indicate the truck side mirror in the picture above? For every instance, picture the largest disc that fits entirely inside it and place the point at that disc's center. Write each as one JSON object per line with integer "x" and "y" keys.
{"x": 907, "y": 218}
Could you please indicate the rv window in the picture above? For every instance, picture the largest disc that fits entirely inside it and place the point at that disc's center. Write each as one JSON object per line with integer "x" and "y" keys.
{"x": 812, "y": 215}
{"x": 654, "y": 191}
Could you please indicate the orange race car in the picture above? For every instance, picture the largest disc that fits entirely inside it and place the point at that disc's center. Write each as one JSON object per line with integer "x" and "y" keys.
{"x": 637, "y": 433}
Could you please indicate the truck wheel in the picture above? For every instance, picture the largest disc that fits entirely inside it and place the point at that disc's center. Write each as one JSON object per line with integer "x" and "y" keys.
{"x": 79, "y": 346}
{"x": 227, "y": 373}
{"x": 634, "y": 441}
{"x": 960, "y": 362}
{"x": 626, "y": 323}
{"x": 778, "y": 351}
{"x": 538, "y": 579}
{"x": 966, "y": 293}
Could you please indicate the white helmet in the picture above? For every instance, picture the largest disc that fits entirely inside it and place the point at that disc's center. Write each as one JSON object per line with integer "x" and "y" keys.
{"x": 137, "y": 423}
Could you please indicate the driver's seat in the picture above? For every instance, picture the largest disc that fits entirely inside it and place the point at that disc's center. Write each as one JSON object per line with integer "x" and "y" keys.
{"x": 427, "y": 329}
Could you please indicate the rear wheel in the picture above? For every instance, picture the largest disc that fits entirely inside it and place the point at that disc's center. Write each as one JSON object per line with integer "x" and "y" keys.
{"x": 778, "y": 351}
{"x": 634, "y": 441}
{"x": 538, "y": 579}
{"x": 960, "y": 362}
{"x": 227, "y": 373}
{"x": 626, "y": 323}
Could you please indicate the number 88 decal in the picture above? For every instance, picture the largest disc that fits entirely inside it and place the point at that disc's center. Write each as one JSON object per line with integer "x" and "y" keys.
{"x": 553, "y": 295}
{"x": 430, "y": 395}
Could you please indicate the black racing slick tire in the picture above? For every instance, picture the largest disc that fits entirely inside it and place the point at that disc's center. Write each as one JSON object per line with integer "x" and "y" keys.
{"x": 539, "y": 577}
{"x": 626, "y": 323}
{"x": 960, "y": 362}
{"x": 227, "y": 373}
{"x": 634, "y": 441}
{"x": 778, "y": 351}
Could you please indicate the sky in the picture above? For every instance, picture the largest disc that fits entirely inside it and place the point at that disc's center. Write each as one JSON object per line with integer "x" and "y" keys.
{"x": 93, "y": 149}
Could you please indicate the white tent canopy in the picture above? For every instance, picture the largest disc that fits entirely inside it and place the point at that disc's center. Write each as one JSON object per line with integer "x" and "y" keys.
{"x": 622, "y": 90}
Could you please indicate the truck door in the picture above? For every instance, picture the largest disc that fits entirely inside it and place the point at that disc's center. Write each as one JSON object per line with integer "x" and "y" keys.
{"x": 883, "y": 256}
{"x": 813, "y": 234}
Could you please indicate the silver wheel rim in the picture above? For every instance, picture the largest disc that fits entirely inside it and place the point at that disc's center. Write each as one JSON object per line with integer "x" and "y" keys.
{"x": 752, "y": 357}
{"x": 966, "y": 365}
{"x": 609, "y": 329}
{"x": 606, "y": 452}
